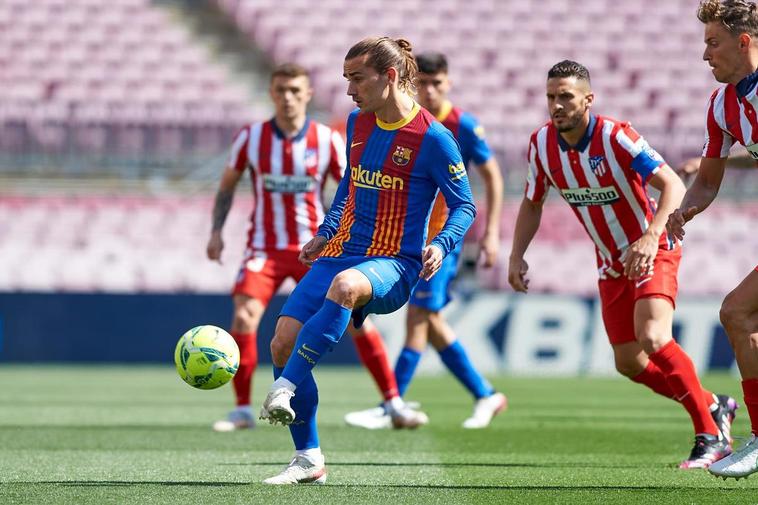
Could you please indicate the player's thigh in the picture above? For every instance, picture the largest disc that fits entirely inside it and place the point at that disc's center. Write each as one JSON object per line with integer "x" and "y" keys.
{"x": 653, "y": 320}
{"x": 247, "y": 313}
{"x": 284, "y": 339}
{"x": 617, "y": 308}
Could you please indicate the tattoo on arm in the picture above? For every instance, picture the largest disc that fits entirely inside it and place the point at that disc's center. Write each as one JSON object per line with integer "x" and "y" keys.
{"x": 221, "y": 208}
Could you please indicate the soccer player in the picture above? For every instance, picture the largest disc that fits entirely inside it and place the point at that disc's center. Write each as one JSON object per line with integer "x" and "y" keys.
{"x": 425, "y": 323}
{"x": 601, "y": 167}
{"x": 289, "y": 157}
{"x": 731, "y": 50}
{"x": 371, "y": 249}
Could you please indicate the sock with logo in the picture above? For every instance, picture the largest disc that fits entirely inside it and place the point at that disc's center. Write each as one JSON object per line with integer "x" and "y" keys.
{"x": 653, "y": 378}
{"x": 405, "y": 368}
{"x": 243, "y": 379}
{"x": 373, "y": 355}
{"x": 317, "y": 336}
{"x": 303, "y": 429}
{"x": 682, "y": 379}
{"x": 750, "y": 390}
{"x": 456, "y": 360}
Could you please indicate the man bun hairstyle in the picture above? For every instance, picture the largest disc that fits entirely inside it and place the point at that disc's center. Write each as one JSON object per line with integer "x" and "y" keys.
{"x": 568, "y": 68}
{"x": 737, "y": 16}
{"x": 383, "y": 53}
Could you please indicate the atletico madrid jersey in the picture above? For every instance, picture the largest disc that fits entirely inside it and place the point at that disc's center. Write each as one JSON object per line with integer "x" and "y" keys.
{"x": 394, "y": 172}
{"x": 287, "y": 176}
{"x": 604, "y": 179}
{"x": 731, "y": 117}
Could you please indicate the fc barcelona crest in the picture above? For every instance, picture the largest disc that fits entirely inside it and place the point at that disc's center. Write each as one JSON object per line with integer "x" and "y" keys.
{"x": 402, "y": 155}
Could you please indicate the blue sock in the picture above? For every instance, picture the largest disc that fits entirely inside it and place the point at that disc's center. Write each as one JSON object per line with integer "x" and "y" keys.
{"x": 456, "y": 360}
{"x": 305, "y": 403}
{"x": 316, "y": 337}
{"x": 405, "y": 368}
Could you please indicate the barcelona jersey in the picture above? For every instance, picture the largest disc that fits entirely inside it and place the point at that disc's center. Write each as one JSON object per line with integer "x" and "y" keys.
{"x": 470, "y": 136}
{"x": 395, "y": 171}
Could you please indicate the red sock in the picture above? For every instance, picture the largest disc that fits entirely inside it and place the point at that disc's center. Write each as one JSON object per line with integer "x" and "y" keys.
{"x": 653, "y": 378}
{"x": 682, "y": 379}
{"x": 750, "y": 389}
{"x": 373, "y": 355}
{"x": 243, "y": 379}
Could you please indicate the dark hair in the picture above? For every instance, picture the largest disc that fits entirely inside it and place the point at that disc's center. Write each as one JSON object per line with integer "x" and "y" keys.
{"x": 568, "y": 68}
{"x": 290, "y": 70}
{"x": 738, "y": 16}
{"x": 431, "y": 63}
{"x": 383, "y": 53}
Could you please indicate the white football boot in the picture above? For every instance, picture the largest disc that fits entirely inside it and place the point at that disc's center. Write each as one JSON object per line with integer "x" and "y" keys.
{"x": 485, "y": 409}
{"x": 371, "y": 419}
{"x": 403, "y": 416}
{"x": 276, "y": 407}
{"x": 238, "y": 419}
{"x": 740, "y": 463}
{"x": 301, "y": 470}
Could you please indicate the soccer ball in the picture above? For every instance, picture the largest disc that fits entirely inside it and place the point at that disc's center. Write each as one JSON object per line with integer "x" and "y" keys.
{"x": 206, "y": 357}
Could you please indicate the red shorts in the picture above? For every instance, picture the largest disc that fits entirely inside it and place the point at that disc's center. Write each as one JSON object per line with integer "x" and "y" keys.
{"x": 262, "y": 273}
{"x": 619, "y": 295}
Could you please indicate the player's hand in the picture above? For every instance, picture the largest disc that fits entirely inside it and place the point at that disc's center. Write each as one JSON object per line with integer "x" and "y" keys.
{"x": 688, "y": 168}
{"x": 639, "y": 257}
{"x": 517, "y": 268}
{"x": 677, "y": 220}
{"x": 214, "y": 247}
{"x": 431, "y": 261}
{"x": 489, "y": 247}
{"x": 311, "y": 251}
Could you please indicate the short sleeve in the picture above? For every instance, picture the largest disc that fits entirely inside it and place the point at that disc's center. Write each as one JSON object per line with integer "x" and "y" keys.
{"x": 537, "y": 182}
{"x": 473, "y": 141}
{"x": 717, "y": 141}
{"x": 238, "y": 159}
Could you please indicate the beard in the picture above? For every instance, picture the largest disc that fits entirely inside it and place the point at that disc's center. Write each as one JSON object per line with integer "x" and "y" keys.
{"x": 570, "y": 123}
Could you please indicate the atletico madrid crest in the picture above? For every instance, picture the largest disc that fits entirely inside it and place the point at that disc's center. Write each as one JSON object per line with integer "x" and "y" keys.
{"x": 402, "y": 155}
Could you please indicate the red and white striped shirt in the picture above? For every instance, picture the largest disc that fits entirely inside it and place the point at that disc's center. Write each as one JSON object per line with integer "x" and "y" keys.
{"x": 731, "y": 117}
{"x": 603, "y": 179}
{"x": 287, "y": 177}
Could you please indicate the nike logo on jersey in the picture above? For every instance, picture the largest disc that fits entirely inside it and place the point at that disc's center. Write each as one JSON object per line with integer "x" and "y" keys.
{"x": 355, "y": 144}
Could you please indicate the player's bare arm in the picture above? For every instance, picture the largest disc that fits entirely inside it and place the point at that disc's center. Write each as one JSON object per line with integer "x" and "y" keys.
{"x": 527, "y": 224}
{"x": 431, "y": 260}
{"x": 311, "y": 250}
{"x": 221, "y": 207}
{"x": 489, "y": 245}
{"x": 699, "y": 196}
{"x": 639, "y": 258}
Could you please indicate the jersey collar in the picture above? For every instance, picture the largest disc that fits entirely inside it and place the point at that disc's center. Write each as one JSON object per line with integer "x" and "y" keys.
{"x": 445, "y": 110}
{"x": 583, "y": 142}
{"x": 399, "y": 124}
{"x": 279, "y": 133}
{"x": 746, "y": 85}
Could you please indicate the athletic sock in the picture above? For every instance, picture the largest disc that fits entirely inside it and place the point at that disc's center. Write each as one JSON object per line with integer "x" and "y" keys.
{"x": 653, "y": 378}
{"x": 316, "y": 337}
{"x": 405, "y": 368}
{"x": 750, "y": 390}
{"x": 303, "y": 430}
{"x": 685, "y": 385}
{"x": 243, "y": 379}
{"x": 455, "y": 358}
{"x": 373, "y": 355}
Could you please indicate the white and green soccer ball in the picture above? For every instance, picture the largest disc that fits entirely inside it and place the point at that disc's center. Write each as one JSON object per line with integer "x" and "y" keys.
{"x": 206, "y": 357}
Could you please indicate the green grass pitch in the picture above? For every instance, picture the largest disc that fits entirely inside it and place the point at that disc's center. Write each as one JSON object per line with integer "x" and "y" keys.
{"x": 138, "y": 435}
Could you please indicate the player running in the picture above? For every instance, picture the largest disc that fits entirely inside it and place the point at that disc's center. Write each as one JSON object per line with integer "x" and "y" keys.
{"x": 289, "y": 157}
{"x": 731, "y": 50}
{"x": 601, "y": 167}
{"x": 425, "y": 322}
{"x": 370, "y": 251}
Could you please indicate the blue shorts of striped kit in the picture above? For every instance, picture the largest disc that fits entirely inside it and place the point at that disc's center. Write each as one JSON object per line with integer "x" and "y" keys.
{"x": 434, "y": 294}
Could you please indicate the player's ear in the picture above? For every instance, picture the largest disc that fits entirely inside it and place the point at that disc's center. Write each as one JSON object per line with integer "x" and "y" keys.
{"x": 745, "y": 40}
{"x": 590, "y": 97}
{"x": 391, "y": 75}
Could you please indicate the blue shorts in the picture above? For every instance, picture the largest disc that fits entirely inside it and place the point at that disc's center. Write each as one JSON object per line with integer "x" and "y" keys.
{"x": 392, "y": 280}
{"x": 434, "y": 294}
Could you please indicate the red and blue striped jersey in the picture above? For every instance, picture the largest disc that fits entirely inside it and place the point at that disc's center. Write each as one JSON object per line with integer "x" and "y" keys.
{"x": 383, "y": 202}
{"x": 731, "y": 117}
{"x": 470, "y": 136}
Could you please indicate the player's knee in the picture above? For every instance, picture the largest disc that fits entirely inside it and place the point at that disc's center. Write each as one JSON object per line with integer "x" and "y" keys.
{"x": 418, "y": 315}
{"x": 345, "y": 289}
{"x": 652, "y": 337}
{"x": 281, "y": 349}
{"x": 628, "y": 367}
{"x": 733, "y": 316}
